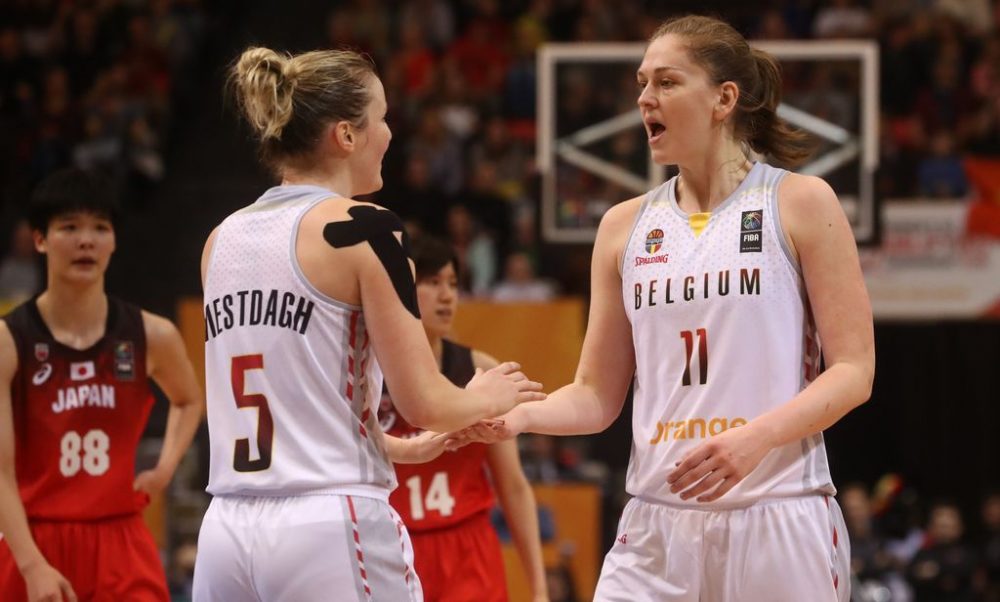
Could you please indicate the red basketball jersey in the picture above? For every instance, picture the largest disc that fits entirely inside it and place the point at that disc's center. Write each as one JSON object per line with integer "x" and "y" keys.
{"x": 78, "y": 416}
{"x": 451, "y": 488}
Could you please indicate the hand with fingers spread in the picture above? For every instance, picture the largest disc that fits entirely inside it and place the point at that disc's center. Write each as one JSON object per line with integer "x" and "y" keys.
{"x": 45, "y": 584}
{"x": 506, "y": 386}
{"x": 714, "y": 467}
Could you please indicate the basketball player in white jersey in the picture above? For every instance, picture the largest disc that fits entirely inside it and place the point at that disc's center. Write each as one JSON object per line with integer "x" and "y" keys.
{"x": 714, "y": 291}
{"x": 308, "y": 297}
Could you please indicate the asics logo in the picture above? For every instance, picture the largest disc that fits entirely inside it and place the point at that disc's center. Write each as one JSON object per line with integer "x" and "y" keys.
{"x": 42, "y": 375}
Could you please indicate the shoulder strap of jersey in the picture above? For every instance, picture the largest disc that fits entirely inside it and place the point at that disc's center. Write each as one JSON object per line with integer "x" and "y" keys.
{"x": 456, "y": 363}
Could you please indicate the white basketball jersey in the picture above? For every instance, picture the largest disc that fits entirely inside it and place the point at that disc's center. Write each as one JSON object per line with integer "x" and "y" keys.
{"x": 292, "y": 382}
{"x": 722, "y": 333}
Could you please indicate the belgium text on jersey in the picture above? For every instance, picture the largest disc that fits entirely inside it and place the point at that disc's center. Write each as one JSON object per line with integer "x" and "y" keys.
{"x": 257, "y": 308}
{"x": 657, "y": 291}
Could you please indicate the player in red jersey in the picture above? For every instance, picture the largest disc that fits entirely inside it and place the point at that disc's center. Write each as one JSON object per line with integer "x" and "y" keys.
{"x": 74, "y": 400}
{"x": 445, "y": 498}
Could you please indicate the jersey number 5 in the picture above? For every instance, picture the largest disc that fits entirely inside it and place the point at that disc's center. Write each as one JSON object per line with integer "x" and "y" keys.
{"x": 265, "y": 425}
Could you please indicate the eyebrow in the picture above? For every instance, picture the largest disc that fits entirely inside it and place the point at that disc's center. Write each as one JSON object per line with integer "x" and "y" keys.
{"x": 659, "y": 70}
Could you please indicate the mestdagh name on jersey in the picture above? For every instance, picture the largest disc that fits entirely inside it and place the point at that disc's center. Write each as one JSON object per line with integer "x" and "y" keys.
{"x": 257, "y": 308}
{"x": 661, "y": 291}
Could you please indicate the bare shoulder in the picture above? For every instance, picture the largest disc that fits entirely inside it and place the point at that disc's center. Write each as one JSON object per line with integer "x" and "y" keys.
{"x": 8, "y": 353}
{"x": 612, "y": 234}
{"x": 810, "y": 211}
{"x": 352, "y": 221}
{"x": 801, "y": 197}
{"x": 206, "y": 253}
{"x": 481, "y": 359}
{"x": 158, "y": 328}
{"x": 622, "y": 216}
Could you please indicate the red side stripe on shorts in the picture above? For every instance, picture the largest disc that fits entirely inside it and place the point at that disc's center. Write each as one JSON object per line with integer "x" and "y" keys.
{"x": 833, "y": 551}
{"x": 357, "y": 546}
{"x": 402, "y": 546}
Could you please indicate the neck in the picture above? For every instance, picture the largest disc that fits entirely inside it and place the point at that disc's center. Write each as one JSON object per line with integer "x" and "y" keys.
{"x": 337, "y": 179}
{"x": 437, "y": 346}
{"x": 74, "y": 314}
{"x": 703, "y": 187}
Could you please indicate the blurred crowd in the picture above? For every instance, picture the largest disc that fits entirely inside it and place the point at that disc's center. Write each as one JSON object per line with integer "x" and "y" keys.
{"x": 99, "y": 83}
{"x": 96, "y": 83}
{"x": 93, "y": 84}
{"x": 903, "y": 549}
{"x": 461, "y": 79}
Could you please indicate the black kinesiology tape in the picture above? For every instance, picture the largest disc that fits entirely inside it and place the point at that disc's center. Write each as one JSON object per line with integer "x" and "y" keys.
{"x": 377, "y": 227}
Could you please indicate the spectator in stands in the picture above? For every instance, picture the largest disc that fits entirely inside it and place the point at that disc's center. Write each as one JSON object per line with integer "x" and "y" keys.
{"x": 989, "y": 547}
{"x": 20, "y": 276}
{"x": 441, "y": 148}
{"x": 520, "y": 283}
{"x": 543, "y": 460}
{"x": 944, "y": 570}
{"x": 476, "y": 251}
{"x": 941, "y": 175}
{"x": 872, "y": 567}
{"x": 842, "y": 19}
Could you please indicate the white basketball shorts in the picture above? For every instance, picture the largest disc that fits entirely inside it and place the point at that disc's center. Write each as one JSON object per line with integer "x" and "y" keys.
{"x": 304, "y": 548}
{"x": 778, "y": 550}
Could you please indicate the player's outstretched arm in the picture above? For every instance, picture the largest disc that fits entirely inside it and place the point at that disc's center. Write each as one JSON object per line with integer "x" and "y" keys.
{"x": 170, "y": 367}
{"x": 425, "y": 447}
{"x": 607, "y": 362}
{"x": 43, "y": 581}
{"x": 818, "y": 232}
{"x": 419, "y": 391}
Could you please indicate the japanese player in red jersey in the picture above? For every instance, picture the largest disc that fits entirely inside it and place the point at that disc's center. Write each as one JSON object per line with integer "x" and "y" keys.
{"x": 445, "y": 498}
{"x": 75, "y": 365}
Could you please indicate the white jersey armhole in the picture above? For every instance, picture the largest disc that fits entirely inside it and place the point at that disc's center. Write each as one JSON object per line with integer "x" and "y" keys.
{"x": 293, "y": 259}
{"x": 777, "y": 229}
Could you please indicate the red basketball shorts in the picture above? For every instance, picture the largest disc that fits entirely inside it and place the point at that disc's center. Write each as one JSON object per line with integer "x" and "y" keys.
{"x": 110, "y": 560}
{"x": 461, "y": 563}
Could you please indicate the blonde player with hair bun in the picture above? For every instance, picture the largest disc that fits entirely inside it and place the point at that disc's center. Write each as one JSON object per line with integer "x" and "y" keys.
{"x": 309, "y": 296}
{"x": 713, "y": 291}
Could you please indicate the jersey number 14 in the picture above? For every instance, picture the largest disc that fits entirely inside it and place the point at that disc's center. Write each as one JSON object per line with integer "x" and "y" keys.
{"x": 438, "y": 496}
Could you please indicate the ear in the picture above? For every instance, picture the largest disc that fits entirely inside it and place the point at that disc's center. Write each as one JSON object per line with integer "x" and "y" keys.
{"x": 40, "y": 244}
{"x": 343, "y": 136}
{"x": 729, "y": 95}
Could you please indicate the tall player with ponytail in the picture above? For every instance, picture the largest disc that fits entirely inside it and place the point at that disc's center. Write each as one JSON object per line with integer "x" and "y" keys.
{"x": 309, "y": 296}
{"x": 713, "y": 291}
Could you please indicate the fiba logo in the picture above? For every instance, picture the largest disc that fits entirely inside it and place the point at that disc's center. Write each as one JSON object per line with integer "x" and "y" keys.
{"x": 751, "y": 220}
{"x": 654, "y": 240}
{"x": 751, "y": 223}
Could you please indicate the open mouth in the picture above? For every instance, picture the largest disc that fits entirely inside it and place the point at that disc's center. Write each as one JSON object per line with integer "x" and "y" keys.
{"x": 654, "y": 129}
{"x": 444, "y": 314}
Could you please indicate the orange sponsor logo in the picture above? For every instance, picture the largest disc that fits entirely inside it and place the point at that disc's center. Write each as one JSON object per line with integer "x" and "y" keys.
{"x": 693, "y": 428}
